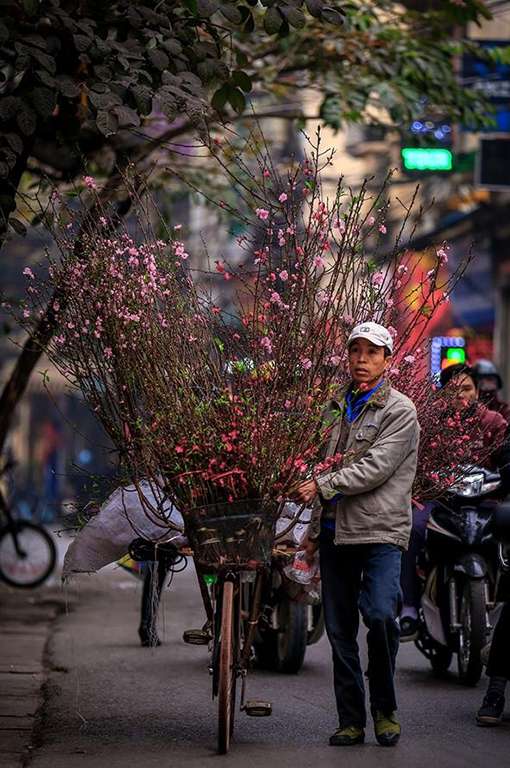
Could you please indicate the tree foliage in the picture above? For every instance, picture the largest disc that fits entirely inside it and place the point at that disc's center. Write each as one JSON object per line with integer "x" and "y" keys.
{"x": 76, "y": 74}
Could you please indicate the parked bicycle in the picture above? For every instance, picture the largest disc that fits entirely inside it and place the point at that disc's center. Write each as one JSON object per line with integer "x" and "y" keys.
{"x": 27, "y": 551}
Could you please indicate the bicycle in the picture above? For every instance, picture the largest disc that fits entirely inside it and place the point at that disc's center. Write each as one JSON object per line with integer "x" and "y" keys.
{"x": 27, "y": 551}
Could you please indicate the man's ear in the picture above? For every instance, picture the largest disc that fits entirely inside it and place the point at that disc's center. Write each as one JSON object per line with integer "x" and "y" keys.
{"x": 387, "y": 363}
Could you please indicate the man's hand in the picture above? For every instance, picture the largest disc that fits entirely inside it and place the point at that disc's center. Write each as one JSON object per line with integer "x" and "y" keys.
{"x": 305, "y": 492}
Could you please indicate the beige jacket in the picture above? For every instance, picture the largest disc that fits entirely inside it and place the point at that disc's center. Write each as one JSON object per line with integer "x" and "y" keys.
{"x": 377, "y": 471}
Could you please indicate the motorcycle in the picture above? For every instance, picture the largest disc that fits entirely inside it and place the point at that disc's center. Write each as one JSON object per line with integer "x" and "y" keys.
{"x": 458, "y": 568}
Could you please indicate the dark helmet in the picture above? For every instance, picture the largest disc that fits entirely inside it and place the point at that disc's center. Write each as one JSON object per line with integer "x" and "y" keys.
{"x": 484, "y": 368}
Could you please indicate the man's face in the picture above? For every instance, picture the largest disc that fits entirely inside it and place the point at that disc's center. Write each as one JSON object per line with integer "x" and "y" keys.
{"x": 367, "y": 362}
{"x": 465, "y": 391}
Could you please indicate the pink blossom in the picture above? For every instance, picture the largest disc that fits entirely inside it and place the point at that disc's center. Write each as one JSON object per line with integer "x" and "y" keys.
{"x": 409, "y": 359}
{"x": 282, "y": 198}
{"x": 275, "y": 297}
{"x": 389, "y": 302}
{"x": 442, "y": 255}
{"x": 60, "y": 340}
{"x": 335, "y": 360}
{"x": 220, "y": 267}
{"x": 177, "y": 226}
{"x": 287, "y": 404}
{"x": 262, "y": 214}
{"x": 378, "y": 278}
{"x": 283, "y": 275}
{"x": 28, "y": 273}
{"x": 108, "y": 352}
{"x": 90, "y": 182}
{"x": 265, "y": 343}
{"x": 265, "y": 173}
{"x": 340, "y": 225}
{"x": 402, "y": 269}
{"x": 392, "y": 331}
{"x": 382, "y": 229}
{"x": 348, "y": 319}
{"x": 306, "y": 363}
{"x": 26, "y": 313}
{"x": 319, "y": 262}
{"x": 370, "y": 221}
{"x": 227, "y": 276}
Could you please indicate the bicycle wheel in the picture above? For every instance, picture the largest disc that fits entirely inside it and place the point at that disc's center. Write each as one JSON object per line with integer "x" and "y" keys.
{"x": 27, "y": 555}
{"x": 226, "y": 670}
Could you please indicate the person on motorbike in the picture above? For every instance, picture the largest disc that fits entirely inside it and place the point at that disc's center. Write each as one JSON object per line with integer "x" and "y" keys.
{"x": 493, "y": 427}
{"x": 363, "y": 526}
{"x": 489, "y": 384}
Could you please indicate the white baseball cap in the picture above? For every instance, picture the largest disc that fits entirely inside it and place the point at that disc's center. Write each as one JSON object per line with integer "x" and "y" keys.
{"x": 377, "y": 334}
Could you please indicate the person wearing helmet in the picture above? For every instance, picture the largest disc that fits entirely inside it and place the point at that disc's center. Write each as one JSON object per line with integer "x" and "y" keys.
{"x": 363, "y": 526}
{"x": 462, "y": 381}
{"x": 489, "y": 383}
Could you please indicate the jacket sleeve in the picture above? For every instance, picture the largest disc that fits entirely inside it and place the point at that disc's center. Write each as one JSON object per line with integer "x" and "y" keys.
{"x": 397, "y": 435}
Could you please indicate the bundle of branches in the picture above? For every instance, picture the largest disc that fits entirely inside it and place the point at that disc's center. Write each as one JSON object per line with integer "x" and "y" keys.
{"x": 218, "y": 406}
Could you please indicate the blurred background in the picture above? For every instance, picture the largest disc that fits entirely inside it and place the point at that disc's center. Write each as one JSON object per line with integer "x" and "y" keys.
{"x": 63, "y": 457}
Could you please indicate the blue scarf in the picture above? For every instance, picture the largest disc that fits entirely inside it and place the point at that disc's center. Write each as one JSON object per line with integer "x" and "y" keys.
{"x": 355, "y": 401}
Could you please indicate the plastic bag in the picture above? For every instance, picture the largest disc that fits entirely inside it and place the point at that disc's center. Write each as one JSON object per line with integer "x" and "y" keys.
{"x": 301, "y": 569}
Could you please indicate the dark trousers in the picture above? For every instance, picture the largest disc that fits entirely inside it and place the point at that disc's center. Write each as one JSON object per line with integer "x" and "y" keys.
{"x": 366, "y": 578}
{"x": 499, "y": 656}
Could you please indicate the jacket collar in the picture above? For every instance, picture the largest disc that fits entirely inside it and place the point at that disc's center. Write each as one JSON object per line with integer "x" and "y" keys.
{"x": 377, "y": 400}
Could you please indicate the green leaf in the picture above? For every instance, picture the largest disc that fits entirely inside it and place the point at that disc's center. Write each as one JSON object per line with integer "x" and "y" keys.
{"x": 236, "y": 99}
{"x": 107, "y": 123}
{"x": 126, "y": 116}
{"x": 294, "y": 16}
{"x": 15, "y": 143}
{"x": 272, "y": 21}
{"x": 242, "y": 80}
{"x": 231, "y": 13}
{"x": 26, "y": 120}
{"x": 220, "y": 98}
{"x": 159, "y": 59}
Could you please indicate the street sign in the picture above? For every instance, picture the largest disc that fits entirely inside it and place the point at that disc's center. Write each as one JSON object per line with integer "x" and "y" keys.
{"x": 445, "y": 351}
{"x": 427, "y": 159}
{"x": 493, "y": 164}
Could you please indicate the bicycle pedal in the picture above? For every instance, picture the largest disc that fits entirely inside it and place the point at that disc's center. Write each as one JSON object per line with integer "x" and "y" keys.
{"x": 196, "y": 637}
{"x": 258, "y": 708}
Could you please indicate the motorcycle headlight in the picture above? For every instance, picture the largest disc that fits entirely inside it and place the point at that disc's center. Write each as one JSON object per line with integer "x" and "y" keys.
{"x": 468, "y": 486}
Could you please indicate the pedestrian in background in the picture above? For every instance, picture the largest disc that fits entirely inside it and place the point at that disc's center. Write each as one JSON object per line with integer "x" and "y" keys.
{"x": 362, "y": 530}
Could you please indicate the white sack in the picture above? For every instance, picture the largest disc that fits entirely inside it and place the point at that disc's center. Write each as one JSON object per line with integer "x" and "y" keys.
{"x": 107, "y": 535}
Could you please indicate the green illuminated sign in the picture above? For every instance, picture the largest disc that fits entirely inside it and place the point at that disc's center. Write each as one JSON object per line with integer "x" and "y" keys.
{"x": 456, "y": 355}
{"x": 427, "y": 159}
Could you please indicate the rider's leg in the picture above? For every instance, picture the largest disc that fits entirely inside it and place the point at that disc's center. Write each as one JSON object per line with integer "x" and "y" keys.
{"x": 498, "y": 670}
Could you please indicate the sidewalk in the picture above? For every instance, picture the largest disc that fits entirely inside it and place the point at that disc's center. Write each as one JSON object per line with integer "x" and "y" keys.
{"x": 25, "y": 623}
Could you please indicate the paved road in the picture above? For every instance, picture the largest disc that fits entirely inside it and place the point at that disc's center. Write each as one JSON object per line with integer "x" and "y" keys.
{"x": 111, "y": 704}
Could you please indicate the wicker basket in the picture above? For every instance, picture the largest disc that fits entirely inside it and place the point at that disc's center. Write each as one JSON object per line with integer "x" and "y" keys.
{"x": 237, "y": 534}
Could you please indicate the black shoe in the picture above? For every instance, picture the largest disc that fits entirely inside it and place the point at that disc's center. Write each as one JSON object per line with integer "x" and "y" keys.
{"x": 148, "y": 639}
{"x": 491, "y": 711}
{"x": 347, "y": 737}
{"x": 408, "y": 629}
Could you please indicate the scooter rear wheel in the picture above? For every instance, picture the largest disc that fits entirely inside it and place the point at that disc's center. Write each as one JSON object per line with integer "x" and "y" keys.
{"x": 473, "y": 632}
